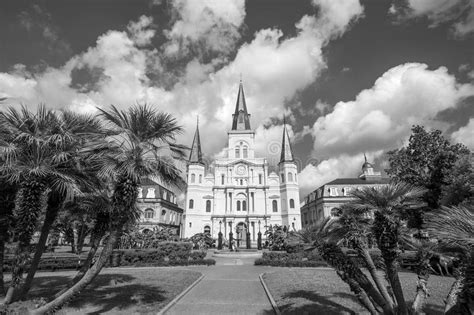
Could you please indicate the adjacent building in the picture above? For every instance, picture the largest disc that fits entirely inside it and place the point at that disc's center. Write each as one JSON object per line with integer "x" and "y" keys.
{"x": 159, "y": 207}
{"x": 239, "y": 194}
{"x": 323, "y": 201}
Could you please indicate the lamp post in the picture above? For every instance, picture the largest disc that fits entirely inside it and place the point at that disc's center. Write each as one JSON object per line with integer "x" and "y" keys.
{"x": 259, "y": 237}
{"x": 247, "y": 235}
{"x": 231, "y": 237}
{"x": 219, "y": 236}
{"x": 293, "y": 223}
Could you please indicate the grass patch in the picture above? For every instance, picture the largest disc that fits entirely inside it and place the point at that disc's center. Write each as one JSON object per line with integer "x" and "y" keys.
{"x": 321, "y": 291}
{"x": 115, "y": 291}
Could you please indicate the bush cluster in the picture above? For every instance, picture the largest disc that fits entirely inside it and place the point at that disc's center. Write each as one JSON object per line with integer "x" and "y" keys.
{"x": 298, "y": 259}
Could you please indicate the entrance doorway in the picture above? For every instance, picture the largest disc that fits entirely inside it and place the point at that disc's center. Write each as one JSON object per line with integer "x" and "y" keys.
{"x": 241, "y": 234}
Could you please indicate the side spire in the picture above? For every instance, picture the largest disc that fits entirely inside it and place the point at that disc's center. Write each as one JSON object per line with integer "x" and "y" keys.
{"x": 286, "y": 150}
{"x": 241, "y": 118}
{"x": 196, "y": 154}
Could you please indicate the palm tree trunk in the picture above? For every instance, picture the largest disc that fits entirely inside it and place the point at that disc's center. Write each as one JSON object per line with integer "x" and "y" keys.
{"x": 54, "y": 204}
{"x": 378, "y": 279}
{"x": 85, "y": 267}
{"x": 452, "y": 298}
{"x": 392, "y": 275}
{"x": 336, "y": 258}
{"x": 2, "y": 255}
{"x": 421, "y": 294}
{"x": 88, "y": 277}
{"x": 359, "y": 292}
{"x": 29, "y": 203}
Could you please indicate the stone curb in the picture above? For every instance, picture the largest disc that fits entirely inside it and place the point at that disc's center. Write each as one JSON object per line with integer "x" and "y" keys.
{"x": 180, "y": 296}
{"x": 269, "y": 295}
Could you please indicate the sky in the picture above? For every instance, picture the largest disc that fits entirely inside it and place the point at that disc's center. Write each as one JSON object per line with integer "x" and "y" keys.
{"x": 352, "y": 77}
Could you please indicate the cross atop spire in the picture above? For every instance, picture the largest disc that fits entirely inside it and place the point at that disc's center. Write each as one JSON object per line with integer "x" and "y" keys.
{"x": 286, "y": 150}
{"x": 241, "y": 119}
{"x": 196, "y": 155}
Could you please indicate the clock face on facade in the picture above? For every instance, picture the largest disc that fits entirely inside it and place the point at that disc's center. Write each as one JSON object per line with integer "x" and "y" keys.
{"x": 241, "y": 169}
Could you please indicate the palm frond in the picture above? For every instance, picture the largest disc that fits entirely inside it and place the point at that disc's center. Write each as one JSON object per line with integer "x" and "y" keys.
{"x": 452, "y": 224}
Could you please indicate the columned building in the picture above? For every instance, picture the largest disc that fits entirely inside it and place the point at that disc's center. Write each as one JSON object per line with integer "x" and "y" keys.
{"x": 324, "y": 200}
{"x": 239, "y": 194}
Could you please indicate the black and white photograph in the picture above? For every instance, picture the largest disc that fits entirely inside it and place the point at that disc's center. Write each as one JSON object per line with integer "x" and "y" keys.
{"x": 211, "y": 157}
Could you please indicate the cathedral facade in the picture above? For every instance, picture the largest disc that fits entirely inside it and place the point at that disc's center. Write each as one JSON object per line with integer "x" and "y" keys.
{"x": 239, "y": 194}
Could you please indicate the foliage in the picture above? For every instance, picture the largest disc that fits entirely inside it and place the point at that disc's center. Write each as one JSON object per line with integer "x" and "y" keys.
{"x": 279, "y": 238}
{"x": 150, "y": 239}
{"x": 427, "y": 161}
{"x": 202, "y": 241}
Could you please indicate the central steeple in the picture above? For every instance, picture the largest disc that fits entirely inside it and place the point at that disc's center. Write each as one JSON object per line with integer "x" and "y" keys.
{"x": 241, "y": 119}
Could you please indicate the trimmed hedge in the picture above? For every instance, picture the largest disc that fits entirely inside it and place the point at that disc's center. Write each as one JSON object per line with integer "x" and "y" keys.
{"x": 167, "y": 254}
{"x": 284, "y": 259}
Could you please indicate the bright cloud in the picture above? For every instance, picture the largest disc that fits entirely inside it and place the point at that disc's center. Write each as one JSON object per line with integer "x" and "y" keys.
{"x": 380, "y": 118}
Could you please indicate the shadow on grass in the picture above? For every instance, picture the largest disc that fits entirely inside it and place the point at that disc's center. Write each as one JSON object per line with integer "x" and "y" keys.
{"x": 105, "y": 293}
{"x": 320, "y": 304}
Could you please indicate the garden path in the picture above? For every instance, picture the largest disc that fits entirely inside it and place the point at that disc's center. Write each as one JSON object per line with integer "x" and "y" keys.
{"x": 232, "y": 286}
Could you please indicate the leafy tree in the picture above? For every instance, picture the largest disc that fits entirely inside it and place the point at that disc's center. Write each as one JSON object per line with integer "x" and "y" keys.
{"x": 427, "y": 161}
{"x": 139, "y": 144}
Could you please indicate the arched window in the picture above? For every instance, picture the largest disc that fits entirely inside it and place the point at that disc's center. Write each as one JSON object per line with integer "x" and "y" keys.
{"x": 222, "y": 179}
{"x": 237, "y": 152}
{"x": 241, "y": 182}
{"x": 200, "y": 178}
{"x": 246, "y": 153}
{"x": 193, "y": 178}
{"x": 191, "y": 204}
{"x": 259, "y": 179}
{"x": 149, "y": 213}
{"x": 292, "y": 204}
{"x": 282, "y": 178}
{"x": 163, "y": 212}
{"x": 275, "y": 206}
{"x": 244, "y": 205}
{"x": 207, "y": 229}
{"x": 238, "y": 205}
{"x": 290, "y": 177}
{"x": 208, "y": 206}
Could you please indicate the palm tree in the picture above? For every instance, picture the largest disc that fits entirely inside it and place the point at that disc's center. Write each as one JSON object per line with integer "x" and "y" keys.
{"x": 42, "y": 153}
{"x": 389, "y": 203}
{"x": 326, "y": 243}
{"x": 454, "y": 226}
{"x": 140, "y": 143}
{"x": 354, "y": 224}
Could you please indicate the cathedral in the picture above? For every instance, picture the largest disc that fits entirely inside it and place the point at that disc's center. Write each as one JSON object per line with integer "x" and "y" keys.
{"x": 239, "y": 194}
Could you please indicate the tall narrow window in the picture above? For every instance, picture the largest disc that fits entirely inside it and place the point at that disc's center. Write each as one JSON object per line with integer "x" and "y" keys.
{"x": 244, "y": 205}
{"x": 208, "y": 206}
{"x": 246, "y": 153}
{"x": 237, "y": 152}
{"x": 191, "y": 204}
{"x": 275, "y": 206}
{"x": 290, "y": 177}
{"x": 193, "y": 178}
{"x": 241, "y": 182}
{"x": 282, "y": 178}
{"x": 292, "y": 204}
{"x": 222, "y": 179}
{"x": 259, "y": 179}
{"x": 200, "y": 178}
{"x": 238, "y": 205}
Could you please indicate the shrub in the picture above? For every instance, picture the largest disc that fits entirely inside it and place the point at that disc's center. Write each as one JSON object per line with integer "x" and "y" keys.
{"x": 298, "y": 259}
{"x": 290, "y": 263}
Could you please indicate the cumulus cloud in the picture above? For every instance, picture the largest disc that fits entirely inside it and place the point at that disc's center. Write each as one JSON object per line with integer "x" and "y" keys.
{"x": 207, "y": 26}
{"x": 274, "y": 68}
{"x": 465, "y": 135}
{"x": 459, "y": 13}
{"x": 380, "y": 118}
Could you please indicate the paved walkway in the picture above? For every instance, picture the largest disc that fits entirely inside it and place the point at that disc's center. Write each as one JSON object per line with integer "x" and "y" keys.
{"x": 231, "y": 287}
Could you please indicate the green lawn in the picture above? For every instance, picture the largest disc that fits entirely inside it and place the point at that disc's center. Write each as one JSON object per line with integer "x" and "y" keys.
{"x": 119, "y": 291}
{"x": 321, "y": 291}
